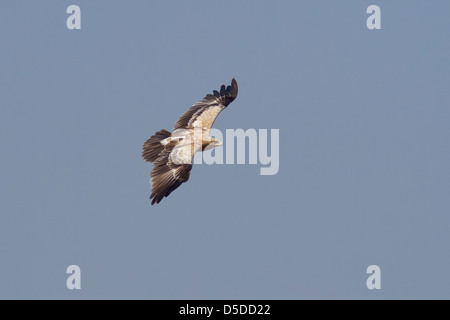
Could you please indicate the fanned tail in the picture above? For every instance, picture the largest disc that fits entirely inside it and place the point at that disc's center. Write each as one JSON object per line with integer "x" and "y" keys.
{"x": 153, "y": 146}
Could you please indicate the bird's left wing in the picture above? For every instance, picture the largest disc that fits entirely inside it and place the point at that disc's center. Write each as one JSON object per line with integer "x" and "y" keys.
{"x": 172, "y": 167}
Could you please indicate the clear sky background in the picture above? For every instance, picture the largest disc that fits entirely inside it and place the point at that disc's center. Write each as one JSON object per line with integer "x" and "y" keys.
{"x": 364, "y": 172}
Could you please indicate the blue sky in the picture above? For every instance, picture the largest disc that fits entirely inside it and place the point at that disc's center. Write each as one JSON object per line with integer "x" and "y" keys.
{"x": 364, "y": 150}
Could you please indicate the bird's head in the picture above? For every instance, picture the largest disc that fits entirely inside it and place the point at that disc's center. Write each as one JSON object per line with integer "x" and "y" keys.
{"x": 214, "y": 143}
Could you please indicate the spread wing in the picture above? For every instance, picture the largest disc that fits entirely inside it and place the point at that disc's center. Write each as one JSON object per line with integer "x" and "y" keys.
{"x": 203, "y": 113}
{"x": 173, "y": 157}
{"x": 171, "y": 168}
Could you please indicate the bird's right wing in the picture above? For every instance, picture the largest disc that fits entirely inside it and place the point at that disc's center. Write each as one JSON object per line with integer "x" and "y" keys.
{"x": 204, "y": 113}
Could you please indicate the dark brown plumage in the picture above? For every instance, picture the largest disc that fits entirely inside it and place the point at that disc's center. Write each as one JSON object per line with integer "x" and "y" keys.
{"x": 172, "y": 152}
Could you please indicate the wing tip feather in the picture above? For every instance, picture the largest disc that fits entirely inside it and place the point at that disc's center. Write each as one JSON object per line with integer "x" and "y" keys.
{"x": 233, "y": 89}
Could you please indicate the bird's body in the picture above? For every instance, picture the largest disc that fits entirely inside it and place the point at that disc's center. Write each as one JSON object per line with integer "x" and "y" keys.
{"x": 172, "y": 152}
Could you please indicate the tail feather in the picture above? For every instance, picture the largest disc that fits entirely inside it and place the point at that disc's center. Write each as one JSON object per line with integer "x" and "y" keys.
{"x": 153, "y": 146}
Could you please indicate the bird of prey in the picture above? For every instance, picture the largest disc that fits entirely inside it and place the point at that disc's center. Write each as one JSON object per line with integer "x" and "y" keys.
{"x": 172, "y": 152}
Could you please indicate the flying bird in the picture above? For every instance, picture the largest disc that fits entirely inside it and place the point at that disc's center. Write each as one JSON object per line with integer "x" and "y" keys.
{"x": 172, "y": 152}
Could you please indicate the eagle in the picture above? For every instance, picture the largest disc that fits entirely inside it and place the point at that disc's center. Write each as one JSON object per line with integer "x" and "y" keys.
{"x": 172, "y": 152}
